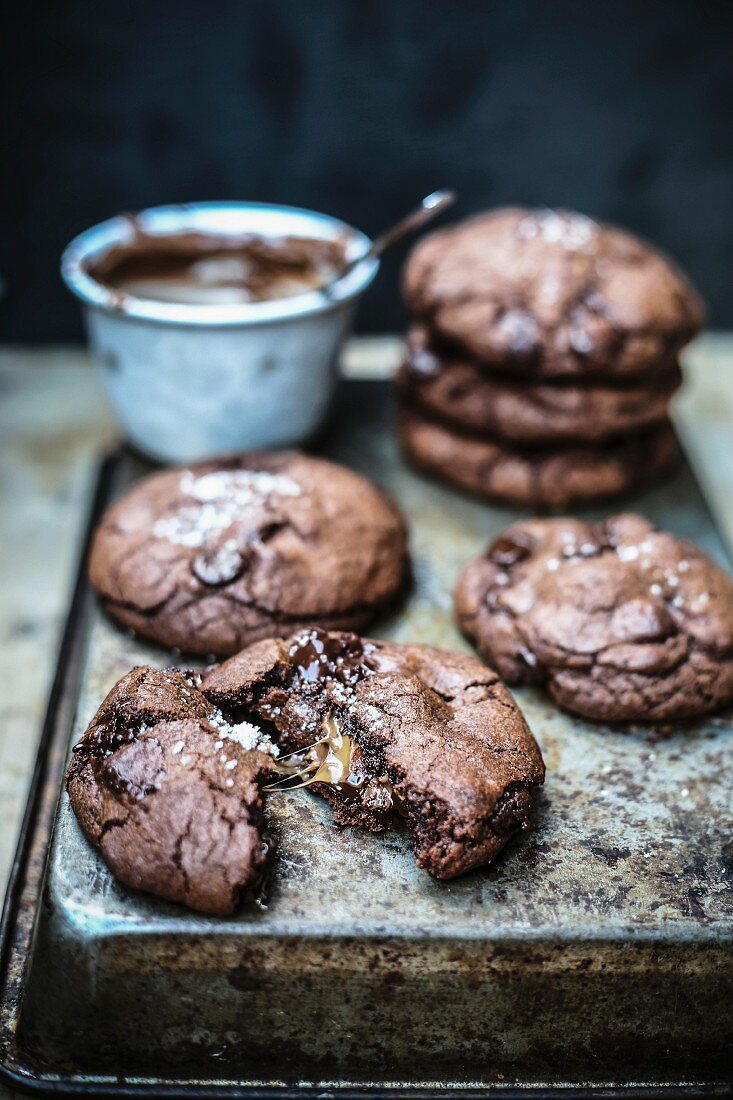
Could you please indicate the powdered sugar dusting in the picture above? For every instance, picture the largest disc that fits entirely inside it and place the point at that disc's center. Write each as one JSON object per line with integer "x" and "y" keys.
{"x": 221, "y": 497}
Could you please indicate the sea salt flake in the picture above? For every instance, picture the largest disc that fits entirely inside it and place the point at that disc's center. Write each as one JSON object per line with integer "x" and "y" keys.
{"x": 341, "y": 692}
{"x": 221, "y": 497}
{"x": 527, "y": 656}
{"x": 571, "y": 231}
{"x": 245, "y": 734}
{"x": 628, "y": 553}
{"x": 581, "y": 341}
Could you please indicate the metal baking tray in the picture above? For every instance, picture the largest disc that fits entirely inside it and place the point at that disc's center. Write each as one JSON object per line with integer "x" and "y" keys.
{"x": 593, "y": 956}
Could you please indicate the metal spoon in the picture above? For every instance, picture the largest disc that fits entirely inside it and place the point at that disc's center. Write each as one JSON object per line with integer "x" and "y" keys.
{"x": 430, "y": 206}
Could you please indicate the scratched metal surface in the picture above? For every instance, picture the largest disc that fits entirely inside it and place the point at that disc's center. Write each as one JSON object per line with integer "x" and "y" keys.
{"x": 595, "y": 942}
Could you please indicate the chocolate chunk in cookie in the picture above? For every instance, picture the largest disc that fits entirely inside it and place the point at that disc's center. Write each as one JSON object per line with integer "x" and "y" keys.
{"x": 551, "y": 294}
{"x": 528, "y": 413}
{"x": 168, "y": 791}
{"x": 213, "y": 556}
{"x": 383, "y": 730}
{"x": 620, "y": 620}
{"x": 540, "y": 478}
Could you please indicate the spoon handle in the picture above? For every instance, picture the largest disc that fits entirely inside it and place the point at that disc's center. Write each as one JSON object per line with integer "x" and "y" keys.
{"x": 430, "y": 206}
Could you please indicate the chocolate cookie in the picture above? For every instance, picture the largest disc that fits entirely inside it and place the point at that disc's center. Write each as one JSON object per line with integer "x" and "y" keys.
{"x": 168, "y": 792}
{"x": 618, "y": 619}
{"x": 166, "y": 780}
{"x": 552, "y": 294}
{"x": 529, "y": 414}
{"x": 408, "y": 730}
{"x": 539, "y": 478}
{"x": 214, "y": 556}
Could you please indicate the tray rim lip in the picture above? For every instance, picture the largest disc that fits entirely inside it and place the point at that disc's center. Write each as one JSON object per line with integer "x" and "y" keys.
{"x": 22, "y": 1077}
{"x": 68, "y": 651}
{"x": 69, "y": 1087}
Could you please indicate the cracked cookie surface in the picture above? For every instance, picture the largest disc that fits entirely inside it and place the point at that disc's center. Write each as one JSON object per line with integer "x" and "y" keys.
{"x": 529, "y": 413}
{"x": 435, "y": 737}
{"x": 551, "y": 294}
{"x": 211, "y": 557}
{"x": 168, "y": 791}
{"x": 619, "y": 620}
{"x": 540, "y": 478}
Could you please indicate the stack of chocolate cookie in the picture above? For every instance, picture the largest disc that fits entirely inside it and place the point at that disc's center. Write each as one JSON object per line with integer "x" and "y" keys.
{"x": 542, "y": 357}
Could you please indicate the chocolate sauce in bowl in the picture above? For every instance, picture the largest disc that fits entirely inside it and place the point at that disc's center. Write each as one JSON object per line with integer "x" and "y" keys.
{"x": 215, "y": 269}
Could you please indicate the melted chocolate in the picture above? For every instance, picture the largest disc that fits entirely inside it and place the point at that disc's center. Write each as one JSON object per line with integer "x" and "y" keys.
{"x": 512, "y": 811}
{"x": 219, "y": 565}
{"x": 207, "y": 268}
{"x": 507, "y": 550}
{"x": 100, "y": 744}
{"x": 320, "y": 656}
{"x": 103, "y": 740}
{"x": 116, "y": 781}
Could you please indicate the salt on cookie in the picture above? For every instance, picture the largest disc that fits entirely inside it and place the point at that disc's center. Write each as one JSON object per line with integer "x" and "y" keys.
{"x": 619, "y": 620}
{"x": 211, "y": 557}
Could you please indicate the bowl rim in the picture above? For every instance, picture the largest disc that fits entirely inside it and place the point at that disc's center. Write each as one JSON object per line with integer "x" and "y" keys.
{"x": 95, "y": 240}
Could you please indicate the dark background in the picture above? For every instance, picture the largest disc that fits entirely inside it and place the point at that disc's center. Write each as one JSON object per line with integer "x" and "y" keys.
{"x": 623, "y": 110}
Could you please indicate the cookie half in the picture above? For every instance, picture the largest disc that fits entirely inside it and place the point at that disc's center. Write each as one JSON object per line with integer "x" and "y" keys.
{"x": 552, "y": 294}
{"x": 404, "y": 730}
{"x": 529, "y": 414}
{"x": 619, "y": 620}
{"x": 168, "y": 792}
{"x": 547, "y": 478}
{"x": 211, "y": 557}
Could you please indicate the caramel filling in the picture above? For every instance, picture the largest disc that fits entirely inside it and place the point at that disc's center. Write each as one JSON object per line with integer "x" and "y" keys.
{"x": 333, "y": 760}
{"x": 330, "y": 760}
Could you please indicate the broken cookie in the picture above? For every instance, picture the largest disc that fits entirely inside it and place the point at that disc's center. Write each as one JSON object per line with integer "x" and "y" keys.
{"x": 621, "y": 621}
{"x": 167, "y": 780}
{"x": 385, "y": 730}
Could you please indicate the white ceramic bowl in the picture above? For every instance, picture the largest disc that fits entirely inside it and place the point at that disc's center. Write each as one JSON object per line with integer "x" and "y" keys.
{"x": 191, "y": 381}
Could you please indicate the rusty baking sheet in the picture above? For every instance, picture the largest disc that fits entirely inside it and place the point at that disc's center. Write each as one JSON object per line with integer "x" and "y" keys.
{"x": 595, "y": 954}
